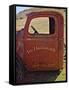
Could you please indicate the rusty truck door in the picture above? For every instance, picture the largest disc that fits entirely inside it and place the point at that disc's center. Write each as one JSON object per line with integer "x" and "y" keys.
{"x": 46, "y": 37}
{"x": 42, "y": 43}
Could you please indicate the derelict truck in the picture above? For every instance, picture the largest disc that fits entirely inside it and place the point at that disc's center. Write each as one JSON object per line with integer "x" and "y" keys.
{"x": 39, "y": 45}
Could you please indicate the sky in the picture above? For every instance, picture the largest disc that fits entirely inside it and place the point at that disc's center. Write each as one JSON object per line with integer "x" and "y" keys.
{"x": 20, "y": 8}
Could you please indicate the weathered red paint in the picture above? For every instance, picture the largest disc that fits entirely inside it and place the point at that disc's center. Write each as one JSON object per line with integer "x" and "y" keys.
{"x": 41, "y": 52}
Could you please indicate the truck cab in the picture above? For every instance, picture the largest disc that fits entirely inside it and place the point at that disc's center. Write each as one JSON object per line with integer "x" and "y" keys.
{"x": 39, "y": 45}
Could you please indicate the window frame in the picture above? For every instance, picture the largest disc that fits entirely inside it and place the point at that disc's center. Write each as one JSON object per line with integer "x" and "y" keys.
{"x": 36, "y": 35}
